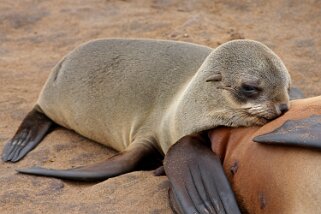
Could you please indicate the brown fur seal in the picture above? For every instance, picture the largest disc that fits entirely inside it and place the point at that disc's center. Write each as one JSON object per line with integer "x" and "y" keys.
{"x": 265, "y": 178}
{"x": 146, "y": 94}
{"x": 140, "y": 96}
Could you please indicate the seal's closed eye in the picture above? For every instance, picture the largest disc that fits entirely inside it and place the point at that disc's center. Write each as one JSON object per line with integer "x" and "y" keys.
{"x": 251, "y": 90}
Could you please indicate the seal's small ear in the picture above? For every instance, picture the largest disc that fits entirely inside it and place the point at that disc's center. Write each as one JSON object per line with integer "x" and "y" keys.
{"x": 214, "y": 78}
{"x": 303, "y": 133}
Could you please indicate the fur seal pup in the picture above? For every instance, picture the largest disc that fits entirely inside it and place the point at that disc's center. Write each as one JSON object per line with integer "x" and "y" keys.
{"x": 140, "y": 96}
{"x": 280, "y": 174}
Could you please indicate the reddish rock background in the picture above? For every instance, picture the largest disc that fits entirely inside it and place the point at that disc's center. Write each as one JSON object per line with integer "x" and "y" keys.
{"x": 35, "y": 34}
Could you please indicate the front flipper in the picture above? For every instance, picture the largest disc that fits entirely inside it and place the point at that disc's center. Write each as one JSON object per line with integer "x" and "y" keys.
{"x": 32, "y": 130}
{"x": 140, "y": 156}
{"x": 304, "y": 133}
{"x": 198, "y": 182}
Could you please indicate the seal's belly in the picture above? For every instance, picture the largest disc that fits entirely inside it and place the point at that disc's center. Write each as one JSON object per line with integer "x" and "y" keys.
{"x": 110, "y": 118}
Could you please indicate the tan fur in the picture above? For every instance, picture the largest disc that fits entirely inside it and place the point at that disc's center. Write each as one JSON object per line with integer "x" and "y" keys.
{"x": 122, "y": 92}
{"x": 272, "y": 179}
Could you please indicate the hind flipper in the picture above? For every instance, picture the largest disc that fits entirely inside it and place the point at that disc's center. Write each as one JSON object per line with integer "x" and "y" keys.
{"x": 197, "y": 179}
{"x": 140, "y": 156}
{"x": 32, "y": 130}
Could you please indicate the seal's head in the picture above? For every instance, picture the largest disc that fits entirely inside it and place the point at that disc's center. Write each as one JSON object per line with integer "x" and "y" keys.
{"x": 254, "y": 80}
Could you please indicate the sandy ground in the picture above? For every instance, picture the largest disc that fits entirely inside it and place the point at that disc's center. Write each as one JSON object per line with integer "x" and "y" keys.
{"x": 35, "y": 34}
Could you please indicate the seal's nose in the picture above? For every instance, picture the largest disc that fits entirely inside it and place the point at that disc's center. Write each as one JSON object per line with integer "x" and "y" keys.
{"x": 283, "y": 108}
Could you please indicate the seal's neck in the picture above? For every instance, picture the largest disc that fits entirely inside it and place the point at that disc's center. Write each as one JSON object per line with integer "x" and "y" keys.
{"x": 196, "y": 107}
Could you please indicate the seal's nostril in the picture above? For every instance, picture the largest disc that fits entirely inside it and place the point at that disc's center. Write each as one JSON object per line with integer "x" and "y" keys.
{"x": 283, "y": 108}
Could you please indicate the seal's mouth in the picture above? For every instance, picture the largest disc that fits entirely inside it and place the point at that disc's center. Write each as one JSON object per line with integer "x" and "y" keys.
{"x": 261, "y": 120}
{"x": 257, "y": 115}
{"x": 261, "y": 114}
{"x": 270, "y": 117}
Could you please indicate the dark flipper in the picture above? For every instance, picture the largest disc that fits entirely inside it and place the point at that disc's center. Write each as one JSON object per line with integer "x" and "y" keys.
{"x": 198, "y": 181}
{"x": 304, "y": 133}
{"x": 32, "y": 130}
{"x": 139, "y": 157}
